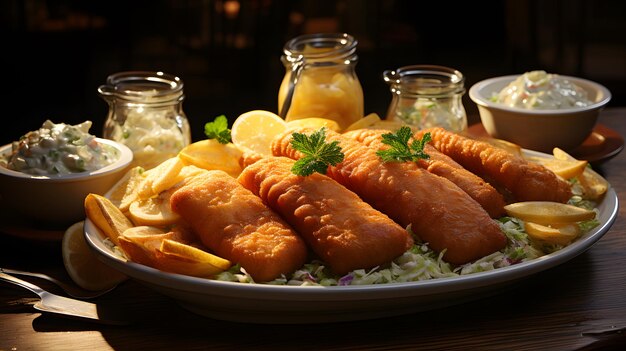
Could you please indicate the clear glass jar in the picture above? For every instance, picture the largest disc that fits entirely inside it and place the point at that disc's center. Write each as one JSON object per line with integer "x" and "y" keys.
{"x": 427, "y": 96}
{"x": 320, "y": 79}
{"x": 146, "y": 114}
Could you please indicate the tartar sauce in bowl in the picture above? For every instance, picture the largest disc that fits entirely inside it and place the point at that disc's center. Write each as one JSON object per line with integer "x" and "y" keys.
{"x": 59, "y": 149}
{"x": 543, "y": 91}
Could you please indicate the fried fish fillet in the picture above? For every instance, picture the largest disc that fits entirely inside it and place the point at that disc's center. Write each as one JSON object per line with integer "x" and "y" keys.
{"x": 437, "y": 163}
{"x": 437, "y": 210}
{"x": 525, "y": 180}
{"x": 343, "y": 230}
{"x": 236, "y": 225}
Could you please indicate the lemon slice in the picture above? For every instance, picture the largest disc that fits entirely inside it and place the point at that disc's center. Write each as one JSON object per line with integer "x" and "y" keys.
{"x": 82, "y": 265}
{"x": 315, "y": 123}
{"x": 364, "y": 122}
{"x": 155, "y": 211}
{"x": 254, "y": 131}
{"x": 210, "y": 154}
{"x": 546, "y": 212}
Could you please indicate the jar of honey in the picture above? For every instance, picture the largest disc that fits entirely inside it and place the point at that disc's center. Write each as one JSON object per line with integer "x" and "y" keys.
{"x": 146, "y": 114}
{"x": 427, "y": 96}
{"x": 320, "y": 79}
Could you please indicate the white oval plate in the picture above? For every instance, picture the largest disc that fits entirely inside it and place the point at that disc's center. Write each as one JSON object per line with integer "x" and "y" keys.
{"x": 258, "y": 303}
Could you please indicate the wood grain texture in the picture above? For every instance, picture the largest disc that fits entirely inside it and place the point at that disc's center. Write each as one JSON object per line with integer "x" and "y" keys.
{"x": 564, "y": 308}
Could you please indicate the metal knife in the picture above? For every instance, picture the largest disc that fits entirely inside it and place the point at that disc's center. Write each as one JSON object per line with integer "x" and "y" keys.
{"x": 70, "y": 307}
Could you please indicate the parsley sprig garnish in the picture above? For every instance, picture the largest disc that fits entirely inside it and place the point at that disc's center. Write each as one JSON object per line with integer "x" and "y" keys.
{"x": 218, "y": 129}
{"x": 400, "y": 150}
{"x": 318, "y": 154}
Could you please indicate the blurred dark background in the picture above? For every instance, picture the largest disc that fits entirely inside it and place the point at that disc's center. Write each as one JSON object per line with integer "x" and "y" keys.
{"x": 57, "y": 53}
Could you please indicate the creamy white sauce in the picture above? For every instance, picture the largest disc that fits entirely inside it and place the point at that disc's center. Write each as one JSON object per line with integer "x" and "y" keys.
{"x": 152, "y": 136}
{"x": 542, "y": 91}
{"x": 57, "y": 149}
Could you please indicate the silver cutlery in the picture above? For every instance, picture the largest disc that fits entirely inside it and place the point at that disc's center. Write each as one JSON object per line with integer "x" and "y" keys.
{"x": 71, "y": 290}
{"x": 70, "y": 307}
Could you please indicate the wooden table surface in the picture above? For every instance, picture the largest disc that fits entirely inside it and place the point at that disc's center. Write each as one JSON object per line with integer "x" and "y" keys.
{"x": 578, "y": 305}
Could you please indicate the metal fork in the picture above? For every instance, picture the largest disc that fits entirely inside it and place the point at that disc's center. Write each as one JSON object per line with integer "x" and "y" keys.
{"x": 71, "y": 290}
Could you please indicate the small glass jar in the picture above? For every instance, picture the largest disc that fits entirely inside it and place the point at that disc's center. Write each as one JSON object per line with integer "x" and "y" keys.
{"x": 320, "y": 79}
{"x": 427, "y": 96}
{"x": 146, "y": 114}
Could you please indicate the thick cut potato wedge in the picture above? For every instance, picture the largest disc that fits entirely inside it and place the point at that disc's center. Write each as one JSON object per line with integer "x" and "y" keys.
{"x": 106, "y": 216}
{"x": 546, "y": 212}
{"x": 559, "y": 234}
{"x": 186, "y": 259}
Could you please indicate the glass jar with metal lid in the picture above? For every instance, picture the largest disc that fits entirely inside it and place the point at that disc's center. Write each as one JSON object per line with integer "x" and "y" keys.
{"x": 427, "y": 96}
{"x": 146, "y": 114}
{"x": 320, "y": 79}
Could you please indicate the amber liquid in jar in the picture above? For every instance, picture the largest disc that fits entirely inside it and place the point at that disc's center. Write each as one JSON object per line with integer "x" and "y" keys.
{"x": 320, "y": 79}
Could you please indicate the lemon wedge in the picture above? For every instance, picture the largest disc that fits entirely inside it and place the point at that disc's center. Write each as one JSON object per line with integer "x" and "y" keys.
{"x": 546, "y": 212}
{"x": 315, "y": 123}
{"x": 364, "y": 122}
{"x": 254, "y": 131}
{"x": 210, "y": 154}
{"x": 82, "y": 265}
{"x": 566, "y": 169}
{"x": 559, "y": 234}
{"x": 593, "y": 184}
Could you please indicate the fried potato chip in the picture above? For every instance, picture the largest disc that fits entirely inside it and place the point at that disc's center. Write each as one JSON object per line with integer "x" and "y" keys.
{"x": 159, "y": 178}
{"x": 125, "y": 190}
{"x": 106, "y": 216}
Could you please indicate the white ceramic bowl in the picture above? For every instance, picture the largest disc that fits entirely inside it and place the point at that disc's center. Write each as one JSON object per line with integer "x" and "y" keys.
{"x": 539, "y": 130}
{"x": 58, "y": 200}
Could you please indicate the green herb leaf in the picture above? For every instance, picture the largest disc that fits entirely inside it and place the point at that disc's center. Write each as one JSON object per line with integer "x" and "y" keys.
{"x": 218, "y": 129}
{"x": 400, "y": 150}
{"x": 318, "y": 154}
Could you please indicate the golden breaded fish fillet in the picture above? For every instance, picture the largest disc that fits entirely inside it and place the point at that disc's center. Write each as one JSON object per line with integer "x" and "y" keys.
{"x": 438, "y": 211}
{"x": 437, "y": 163}
{"x": 236, "y": 225}
{"x": 525, "y": 180}
{"x": 344, "y": 231}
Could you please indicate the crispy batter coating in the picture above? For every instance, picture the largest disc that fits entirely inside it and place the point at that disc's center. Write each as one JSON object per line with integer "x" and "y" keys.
{"x": 525, "y": 180}
{"x": 476, "y": 187}
{"x": 236, "y": 225}
{"x": 438, "y": 211}
{"x": 343, "y": 230}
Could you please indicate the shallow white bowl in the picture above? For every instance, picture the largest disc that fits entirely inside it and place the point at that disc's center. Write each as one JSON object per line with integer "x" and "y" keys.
{"x": 539, "y": 130}
{"x": 58, "y": 200}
